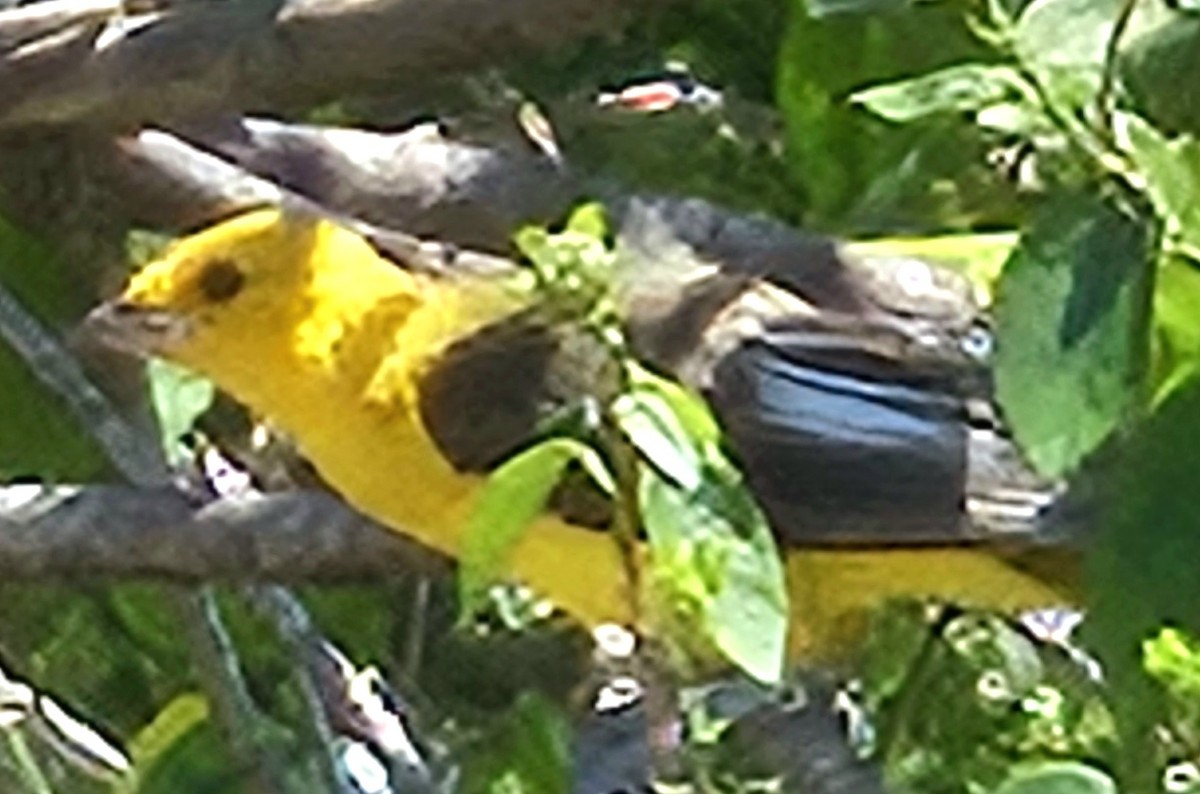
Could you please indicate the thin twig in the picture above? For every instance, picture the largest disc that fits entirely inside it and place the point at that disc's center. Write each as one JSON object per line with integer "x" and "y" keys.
{"x": 627, "y": 514}
{"x": 27, "y": 766}
{"x": 221, "y": 677}
{"x": 141, "y": 461}
{"x": 303, "y": 641}
{"x": 1108, "y": 77}
{"x": 414, "y": 640}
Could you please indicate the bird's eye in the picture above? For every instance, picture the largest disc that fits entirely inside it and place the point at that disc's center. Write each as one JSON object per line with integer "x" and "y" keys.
{"x": 221, "y": 280}
{"x": 978, "y": 343}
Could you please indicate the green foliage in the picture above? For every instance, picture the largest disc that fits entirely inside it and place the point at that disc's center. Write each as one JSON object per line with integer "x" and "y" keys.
{"x": 1176, "y": 340}
{"x": 179, "y": 397}
{"x": 966, "y": 697}
{"x": 158, "y": 739}
{"x": 733, "y": 153}
{"x": 715, "y": 569}
{"x": 716, "y": 581}
{"x": 1062, "y": 44}
{"x": 1171, "y": 168}
{"x": 1062, "y": 777}
{"x": 1174, "y": 659}
{"x": 38, "y": 438}
{"x": 195, "y": 761}
{"x": 1160, "y": 51}
{"x": 515, "y": 494}
{"x": 110, "y": 656}
{"x": 658, "y": 434}
{"x": 1145, "y": 532}
{"x": 1072, "y": 319}
{"x": 525, "y": 752}
{"x": 861, "y": 176}
{"x": 1074, "y": 307}
{"x": 955, "y": 89}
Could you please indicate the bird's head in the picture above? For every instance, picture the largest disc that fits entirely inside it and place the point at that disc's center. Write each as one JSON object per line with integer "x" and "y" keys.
{"x": 248, "y": 273}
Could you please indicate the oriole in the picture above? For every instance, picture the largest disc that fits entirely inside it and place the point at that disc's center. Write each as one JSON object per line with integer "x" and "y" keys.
{"x": 865, "y": 432}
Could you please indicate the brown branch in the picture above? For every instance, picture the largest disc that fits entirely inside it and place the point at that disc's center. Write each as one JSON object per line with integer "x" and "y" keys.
{"x": 417, "y": 180}
{"x": 202, "y": 59}
{"x": 124, "y": 532}
{"x": 25, "y": 26}
{"x": 472, "y": 196}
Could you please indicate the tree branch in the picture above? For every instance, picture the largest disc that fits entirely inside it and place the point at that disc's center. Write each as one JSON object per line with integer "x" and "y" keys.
{"x": 201, "y": 59}
{"x": 26, "y": 25}
{"x": 473, "y": 196}
{"x": 124, "y": 532}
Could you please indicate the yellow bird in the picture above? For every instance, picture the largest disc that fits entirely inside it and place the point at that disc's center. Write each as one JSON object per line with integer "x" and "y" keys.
{"x": 865, "y": 431}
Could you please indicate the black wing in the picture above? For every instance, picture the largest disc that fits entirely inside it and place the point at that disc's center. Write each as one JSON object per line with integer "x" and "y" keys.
{"x": 859, "y": 449}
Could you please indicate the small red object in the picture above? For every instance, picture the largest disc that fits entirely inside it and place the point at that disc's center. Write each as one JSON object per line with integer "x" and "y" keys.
{"x": 652, "y": 97}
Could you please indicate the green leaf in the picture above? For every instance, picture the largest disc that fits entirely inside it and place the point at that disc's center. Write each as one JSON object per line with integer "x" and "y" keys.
{"x": 1023, "y": 120}
{"x": 1158, "y": 64}
{"x": 895, "y": 642}
{"x": 511, "y": 499}
{"x": 988, "y": 642}
{"x": 1072, "y": 328}
{"x": 947, "y": 688}
{"x": 179, "y": 397}
{"x": 532, "y": 241}
{"x": 1171, "y": 169}
{"x": 715, "y": 571}
{"x": 691, "y": 411}
{"x": 858, "y": 174}
{"x": 38, "y": 435}
{"x": 1062, "y": 43}
{"x": 589, "y": 220}
{"x": 574, "y": 265}
{"x": 1176, "y": 332}
{"x": 1146, "y": 551}
{"x": 1057, "y": 777}
{"x": 534, "y": 244}
{"x": 1141, "y": 562}
{"x": 173, "y": 722}
{"x": 1173, "y": 657}
{"x": 956, "y": 89}
{"x": 656, "y": 432}
{"x": 198, "y": 760}
{"x": 527, "y": 752}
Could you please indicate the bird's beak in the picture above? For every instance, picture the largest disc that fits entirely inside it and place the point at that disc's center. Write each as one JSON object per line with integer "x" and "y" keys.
{"x": 133, "y": 328}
